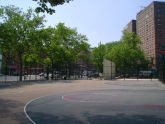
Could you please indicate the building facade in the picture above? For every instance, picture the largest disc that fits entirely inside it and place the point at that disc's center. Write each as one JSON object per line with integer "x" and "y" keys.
{"x": 150, "y": 26}
{"x": 86, "y": 66}
{"x": 131, "y": 26}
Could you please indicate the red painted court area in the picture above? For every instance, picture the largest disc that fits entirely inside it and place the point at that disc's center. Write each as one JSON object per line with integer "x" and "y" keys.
{"x": 95, "y": 98}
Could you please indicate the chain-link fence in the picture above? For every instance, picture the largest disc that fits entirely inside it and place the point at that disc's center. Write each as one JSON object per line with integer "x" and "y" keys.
{"x": 138, "y": 74}
{"x": 161, "y": 69}
{"x": 71, "y": 72}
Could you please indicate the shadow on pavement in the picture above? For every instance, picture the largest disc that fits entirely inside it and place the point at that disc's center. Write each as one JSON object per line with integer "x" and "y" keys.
{"x": 42, "y": 118}
{"x": 25, "y": 83}
{"x": 5, "y": 111}
{"x": 6, "y": 105}
{"x": 125, "y": 119}
{"x": 20, "y": 118}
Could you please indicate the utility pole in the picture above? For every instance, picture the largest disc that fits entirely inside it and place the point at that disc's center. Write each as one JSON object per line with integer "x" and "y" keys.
{"x": 111, "y": 70}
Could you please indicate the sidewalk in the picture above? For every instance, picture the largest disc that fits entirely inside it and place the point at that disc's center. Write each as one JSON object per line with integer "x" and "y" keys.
{"x": 137, "y": 79}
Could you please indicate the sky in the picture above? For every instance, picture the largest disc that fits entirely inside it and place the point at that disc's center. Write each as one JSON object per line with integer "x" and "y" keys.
{"x": 100, "y": 20}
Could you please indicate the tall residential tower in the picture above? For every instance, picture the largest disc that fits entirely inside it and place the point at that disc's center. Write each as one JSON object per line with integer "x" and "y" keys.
{"x": 150, "y": 26}
{"x": 131, "y": 26}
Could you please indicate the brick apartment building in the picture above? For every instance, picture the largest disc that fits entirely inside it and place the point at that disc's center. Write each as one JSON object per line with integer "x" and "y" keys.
{"x": 86, "y": 66}
{"x": 131, "y": 26}
{"x": 150, "y": 26}
{"x": 14, "y": 68}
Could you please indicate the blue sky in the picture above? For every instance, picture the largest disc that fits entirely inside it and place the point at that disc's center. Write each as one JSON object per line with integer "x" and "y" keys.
{"x": 100, "y": 20}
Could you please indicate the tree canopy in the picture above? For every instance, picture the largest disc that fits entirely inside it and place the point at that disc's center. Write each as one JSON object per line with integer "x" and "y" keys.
{"x": 98, "y": 55}
{"x": 127, "y": 54}
{"x": 15, "y": 29}
{"x": 61, "y": 46}
{"x": 25, "y": 40}
{"x": 44, "y": 5}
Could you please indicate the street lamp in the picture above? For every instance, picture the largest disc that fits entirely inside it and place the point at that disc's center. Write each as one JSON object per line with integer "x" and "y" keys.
{"x": 111, "y": 70}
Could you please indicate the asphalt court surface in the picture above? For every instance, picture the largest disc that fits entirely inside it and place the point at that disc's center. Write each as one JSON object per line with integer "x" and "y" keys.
{"x": 135, "y": 83}
{"x": 111, "y": 106}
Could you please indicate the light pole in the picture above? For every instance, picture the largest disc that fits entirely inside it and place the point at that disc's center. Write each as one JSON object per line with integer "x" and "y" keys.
{"x": 111, "y": 70}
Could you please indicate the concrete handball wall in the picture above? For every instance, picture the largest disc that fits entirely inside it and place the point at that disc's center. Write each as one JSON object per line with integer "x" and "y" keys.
{"x": 109, "y": 70}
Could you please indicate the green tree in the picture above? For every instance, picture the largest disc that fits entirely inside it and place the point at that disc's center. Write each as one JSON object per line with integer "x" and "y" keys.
{"x": 52, "y": 49}
{"x": 98, "y": 55}
{"x": 59, "y": 46}
{"x": 15, "y": 29}
{"x": 111, "y": 45}
{"x": 74, "y": 44}
{"x": 43, "y": 5}
{"x": 127, "y": 55}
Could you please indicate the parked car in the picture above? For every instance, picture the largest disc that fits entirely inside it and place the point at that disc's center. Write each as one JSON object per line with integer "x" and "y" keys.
{"x": 41, "y": 74}
{"x": 15, "y": 73}
{"x": 94, "y": 75}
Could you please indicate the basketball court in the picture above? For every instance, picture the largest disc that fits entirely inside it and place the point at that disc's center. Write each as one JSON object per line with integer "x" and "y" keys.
{"x": 130, "y": 102}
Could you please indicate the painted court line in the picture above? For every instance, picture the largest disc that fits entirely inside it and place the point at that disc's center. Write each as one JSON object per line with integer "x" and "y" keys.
{"x": 151, "y": 106}
{"x": 26, "y": 112}
{"x": 31, "y": 102}
{"x": 77, "y": 97}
